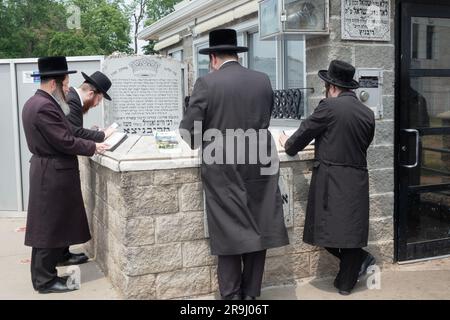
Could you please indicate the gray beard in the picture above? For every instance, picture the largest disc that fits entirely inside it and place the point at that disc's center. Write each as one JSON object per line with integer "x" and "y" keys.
{"x": 62, "y": 102}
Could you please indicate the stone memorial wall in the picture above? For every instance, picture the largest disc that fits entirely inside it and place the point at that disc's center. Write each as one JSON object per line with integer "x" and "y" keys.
{"x": 146, "y": 94}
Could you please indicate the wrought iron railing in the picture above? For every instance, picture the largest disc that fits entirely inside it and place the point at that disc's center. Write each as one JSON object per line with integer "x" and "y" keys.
{"x": 288, "y": 104}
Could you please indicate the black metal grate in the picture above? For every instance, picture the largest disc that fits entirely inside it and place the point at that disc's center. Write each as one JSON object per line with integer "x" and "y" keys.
{"x": 288, "y": 104}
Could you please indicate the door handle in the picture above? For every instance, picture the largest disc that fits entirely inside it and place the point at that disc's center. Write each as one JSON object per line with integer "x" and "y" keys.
{"x": 416, "y": 132}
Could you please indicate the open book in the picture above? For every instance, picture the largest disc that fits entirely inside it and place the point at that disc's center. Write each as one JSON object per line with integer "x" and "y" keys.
{"x": 115, "y": 140}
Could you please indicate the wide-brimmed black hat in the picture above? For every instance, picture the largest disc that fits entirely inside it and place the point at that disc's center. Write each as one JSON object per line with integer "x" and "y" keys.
{"x": 340, "y": 74}
{"x": 52, "y": 66}
{"x": 223, "y": 40}
{"x": 99, "y": 81}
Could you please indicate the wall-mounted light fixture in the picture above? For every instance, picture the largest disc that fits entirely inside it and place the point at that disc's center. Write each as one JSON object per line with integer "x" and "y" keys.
{"x": 293, "y": 18}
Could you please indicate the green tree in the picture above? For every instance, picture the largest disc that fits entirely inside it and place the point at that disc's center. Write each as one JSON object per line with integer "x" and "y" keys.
{"x": 104, "y": 30}
{"x": 33, "y": 28}
{"x": 29, "y": 26}
{"x": 157, "y": 9}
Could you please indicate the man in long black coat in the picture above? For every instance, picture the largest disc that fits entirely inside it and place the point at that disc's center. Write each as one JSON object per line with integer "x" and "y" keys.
{"x": 56, "y": 214}
{"x": 337, "y": 216}
{"x": 80, "y": 100}
{"x": 244, "y": 206}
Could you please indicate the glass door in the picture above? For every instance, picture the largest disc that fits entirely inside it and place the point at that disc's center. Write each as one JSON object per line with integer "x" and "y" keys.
{"x": 423, "y": 165}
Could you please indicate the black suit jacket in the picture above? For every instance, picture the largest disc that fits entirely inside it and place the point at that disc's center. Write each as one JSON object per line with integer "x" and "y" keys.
{"x": 75, "y": 118}
{"x": 244, "y": 207}
{"x": 337, "y": 214}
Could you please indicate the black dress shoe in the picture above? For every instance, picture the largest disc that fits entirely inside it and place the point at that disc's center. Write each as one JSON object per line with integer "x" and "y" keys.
{"x": 344, "y": 292}
{"x": 60, "y": 286}
{"x": 341, "y": 292}
{"x": 78, "y": 254}
{"x": 74, "y": 260}
{"x": 368, "y": 261}
{"x": 248, "y": 298}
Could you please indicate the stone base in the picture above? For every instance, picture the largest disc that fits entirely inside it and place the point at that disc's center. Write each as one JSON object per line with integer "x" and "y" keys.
{"x": 149, "y": 234}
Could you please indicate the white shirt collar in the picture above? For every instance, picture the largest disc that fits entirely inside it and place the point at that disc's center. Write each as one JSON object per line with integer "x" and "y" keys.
{"x": 228, "y": 61}
{"x": 79, "y": 95}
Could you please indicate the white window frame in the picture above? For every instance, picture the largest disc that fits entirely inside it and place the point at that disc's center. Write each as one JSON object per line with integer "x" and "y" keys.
{"x": 244, "y": 29}
{"x": 177, "y": 49}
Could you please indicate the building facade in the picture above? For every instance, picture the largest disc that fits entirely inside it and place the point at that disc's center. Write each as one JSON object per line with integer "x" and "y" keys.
{"x": 404, "y": 65}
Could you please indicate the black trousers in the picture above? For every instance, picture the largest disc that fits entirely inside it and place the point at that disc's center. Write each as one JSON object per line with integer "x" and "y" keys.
{"x": 350, "y": 265}
{"x": 241, "y": 274}
{"x": 43, "y": 267}
{"x": 66, "y": 254}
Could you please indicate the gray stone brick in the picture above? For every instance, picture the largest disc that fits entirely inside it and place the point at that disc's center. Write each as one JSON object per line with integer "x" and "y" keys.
{"x": 381, "y": 181}
{"x": 286, "y": 269}
{"x": 323, "y": 264}
{"x": 381, "y": 229}
{"x": 384, "y": 132}
{"x": 183, "y": 283}
{"x": 382, "y": 205}
{"x": 382, "y": 251}
{"x": 191, "y": 197}
{"x": 380, "y": 157}
{"x": 335, "y": 7}
{"x": 180, "y": 227}
{"x": 296, "y": 242}
{"x": 197, "y": 254}
{"x": 214, "y": 280}
{"x": 389, "y": 83}
{"x": 319, "y": 57}
{"x": 176, "y": 176}
{"x": 133, "y": 179}
{"x": 299, "y": 213}
{"x": 133, "y": 288}
{"x": 152, "y": 259}
{"x": 145, "y": 201}
{"x": 375, "y": 56}
{"x": 389, "y": 107}
{"x": 133, "y": 232}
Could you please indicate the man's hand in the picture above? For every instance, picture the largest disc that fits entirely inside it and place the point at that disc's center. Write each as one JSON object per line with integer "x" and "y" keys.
{"x": 109, "y": 132}
{"x": 283, "y": 139}
{"x": 101, "y": 148}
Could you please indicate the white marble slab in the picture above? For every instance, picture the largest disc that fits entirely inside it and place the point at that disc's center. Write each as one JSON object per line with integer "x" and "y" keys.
{"x": 142, "y": 154}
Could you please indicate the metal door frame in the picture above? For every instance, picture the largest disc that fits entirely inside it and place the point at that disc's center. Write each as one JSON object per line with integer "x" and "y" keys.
{"x": 404, "y": 11}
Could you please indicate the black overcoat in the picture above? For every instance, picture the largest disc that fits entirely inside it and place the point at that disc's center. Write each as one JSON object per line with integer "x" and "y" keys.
{"x": 75, "y": 118}
{"x": 338, "y": 204}
{"x": 243, "y": 204}
{"x": 56, "y": 214}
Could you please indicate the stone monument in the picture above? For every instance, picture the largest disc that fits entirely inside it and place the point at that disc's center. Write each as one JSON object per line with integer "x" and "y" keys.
{"x": 146, "y": 94}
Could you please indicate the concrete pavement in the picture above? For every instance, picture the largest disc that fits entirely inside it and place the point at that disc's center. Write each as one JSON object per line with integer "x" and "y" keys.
{"x": 425, "y": 280}
{"x": 15, "y": 279}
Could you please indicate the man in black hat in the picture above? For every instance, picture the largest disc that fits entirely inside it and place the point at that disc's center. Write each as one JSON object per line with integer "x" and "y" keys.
{"x": 337, "y": 216}
{"x": 89, "y": 95}
{"x": 56, "y": 215}
{"x": 244, "y": 206}
{"x": 80, "y": 100}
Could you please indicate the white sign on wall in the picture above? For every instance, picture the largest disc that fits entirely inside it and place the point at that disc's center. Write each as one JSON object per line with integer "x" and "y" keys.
{"x": 366, "y": 20}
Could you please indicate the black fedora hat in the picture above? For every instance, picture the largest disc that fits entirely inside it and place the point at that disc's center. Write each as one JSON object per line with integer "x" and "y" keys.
{"x": 223, "y": 40}
{"x": 340, "y": 74}
{"x": 52, "y": 66}
{"x": 99, "y": 81}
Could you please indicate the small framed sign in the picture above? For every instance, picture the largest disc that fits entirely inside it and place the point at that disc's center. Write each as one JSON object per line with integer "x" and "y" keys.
{"x": 366, "y": 20}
